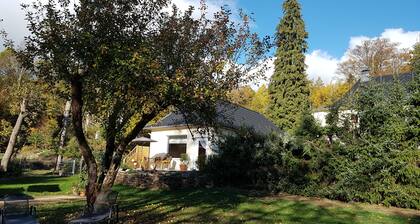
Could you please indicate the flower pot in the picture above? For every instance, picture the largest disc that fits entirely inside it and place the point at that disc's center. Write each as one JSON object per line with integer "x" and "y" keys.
{"x": 75, "y": 191}
{"x": 183, "y": 167}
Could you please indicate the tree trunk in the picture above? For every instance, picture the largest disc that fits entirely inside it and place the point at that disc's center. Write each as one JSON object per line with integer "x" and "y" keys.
{"x": 12, "y": 141}
{"x": 63, "y": 134}
{"x": 112, "y": 171}
{"x": 110, "y": 145}
{"x": 110, "y": 176}
{"x": 113, "y": 153}
{"x": 77, "y": 120}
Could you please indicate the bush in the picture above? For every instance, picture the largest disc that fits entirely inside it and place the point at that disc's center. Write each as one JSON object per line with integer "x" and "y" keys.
{"x": 201, "y": 162}
{"x": 15, "y": 169}
{"x": 235, "y": 160}
{"x": 310, "y": 167}
{"x": 375, "y": 161}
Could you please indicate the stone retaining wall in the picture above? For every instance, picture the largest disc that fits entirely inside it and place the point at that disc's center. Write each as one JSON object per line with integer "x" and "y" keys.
{"x": 169, "y": 180}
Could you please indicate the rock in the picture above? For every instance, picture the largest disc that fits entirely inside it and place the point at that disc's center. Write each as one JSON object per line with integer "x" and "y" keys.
{"x": 168, "y": 180}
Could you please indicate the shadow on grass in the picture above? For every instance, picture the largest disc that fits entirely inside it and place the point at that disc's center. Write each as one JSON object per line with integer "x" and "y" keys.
{"x": 28, "y": 180}
{"x": 11, "y": 191}
{"x": 218, "y": 206}
{"x": 59, "y": 213}
{"x": 44, "y": 188}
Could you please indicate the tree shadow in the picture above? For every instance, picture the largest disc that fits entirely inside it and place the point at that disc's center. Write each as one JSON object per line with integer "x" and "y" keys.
{"x": 221, "y": 206}
{"x": 414, "y": 220}
{"x": 59, "y": 213}
{"x": 44, "y": 188}
{"x": 28, "y": 180}
{"x": 11, "y": 191}
{"x": 218, "y": 205}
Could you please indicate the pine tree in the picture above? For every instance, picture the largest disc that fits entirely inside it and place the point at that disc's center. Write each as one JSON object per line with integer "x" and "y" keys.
{"x": 289, "y": 87}
{"x": 415, "y": 60}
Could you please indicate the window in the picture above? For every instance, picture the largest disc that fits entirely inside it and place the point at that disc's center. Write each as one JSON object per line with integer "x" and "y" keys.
{"x": 175, "y": 150}
{"x": 177, "y": 146}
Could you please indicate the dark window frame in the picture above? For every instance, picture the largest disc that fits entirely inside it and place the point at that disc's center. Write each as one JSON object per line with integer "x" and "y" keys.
{"x": 175, "y": 150}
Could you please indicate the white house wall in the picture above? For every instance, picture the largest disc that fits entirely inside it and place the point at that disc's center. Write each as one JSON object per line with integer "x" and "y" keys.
{"x": 162, "y": 145}
{"x": 321, "y": 117}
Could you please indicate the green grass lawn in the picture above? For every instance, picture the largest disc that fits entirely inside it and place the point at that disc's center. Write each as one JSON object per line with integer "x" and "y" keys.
{"x": 221, "y": 206}
{"x": 218, "y": 205}
{"x": 37, "y": 184}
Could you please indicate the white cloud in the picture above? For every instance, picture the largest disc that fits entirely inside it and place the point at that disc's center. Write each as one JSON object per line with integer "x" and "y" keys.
{"x": 406, "y": 39}
{"x": 268, "y": 73}
{"x": 213, "y": 6}
{"x": 354, "y": 41}
{"x": 15, "y": 25}
{"x": 13, "y": 21}
{"x": 321, "y": 64}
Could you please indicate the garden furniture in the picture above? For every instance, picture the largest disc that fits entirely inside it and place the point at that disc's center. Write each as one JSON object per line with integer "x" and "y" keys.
{"x": 104, "y": 210}
{"x": 16, "y": 210}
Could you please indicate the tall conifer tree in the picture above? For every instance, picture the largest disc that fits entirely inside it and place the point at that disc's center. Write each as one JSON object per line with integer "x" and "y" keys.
{"x": 289, "y": 87}
{"x": 415, "y": 60}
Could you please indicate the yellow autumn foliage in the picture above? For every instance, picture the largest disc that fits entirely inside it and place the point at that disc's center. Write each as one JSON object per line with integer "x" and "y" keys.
{"x": 325, "y": 95}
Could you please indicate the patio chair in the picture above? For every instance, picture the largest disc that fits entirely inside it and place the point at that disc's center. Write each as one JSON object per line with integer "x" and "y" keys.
{"x": 16, "y": 210}
{"x": 104, "y": 210}
{"x": 160, "y": 161}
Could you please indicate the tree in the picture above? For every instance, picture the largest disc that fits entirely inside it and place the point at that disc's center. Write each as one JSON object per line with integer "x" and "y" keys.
{"x": 26, "y": 102}
{"x": 289, "y": 89}
{"x": 413, "y": 110}
{"x": 242, "y": 96}
{"x": 261, "y": 100}
{"x": 126, "y": 61}
{"x": 415, "y": 60}
{"x": 63, "y": 133}
{"x": 20, "y": 90}
{"x": 380, "y": 55}
{"x": 323, "y": 96}
{"x": 13, "y": 137}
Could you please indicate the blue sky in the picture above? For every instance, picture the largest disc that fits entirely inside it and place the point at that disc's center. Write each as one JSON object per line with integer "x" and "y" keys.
{"x": 331, "y": 23}
{"x": 334, "y": 26}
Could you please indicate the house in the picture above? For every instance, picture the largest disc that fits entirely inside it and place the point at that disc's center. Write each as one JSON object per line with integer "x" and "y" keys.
{"x": 365, "y": 79}
{"x": 173, "y": 135}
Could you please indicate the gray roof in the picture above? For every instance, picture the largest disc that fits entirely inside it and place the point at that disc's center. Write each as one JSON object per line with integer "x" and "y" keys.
{"x": 385, "y": 79}
{"x": 228, "y": 115}
{"x": 402, "y": 78}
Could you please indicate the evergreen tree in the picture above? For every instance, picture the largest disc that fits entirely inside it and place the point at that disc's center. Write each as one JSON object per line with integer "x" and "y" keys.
{"x": 415, "y": 60}
{"x": 289, "y": 87}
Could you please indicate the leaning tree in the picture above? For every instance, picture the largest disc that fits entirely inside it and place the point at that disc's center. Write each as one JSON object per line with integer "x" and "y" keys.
{"x": 126, "y": 61}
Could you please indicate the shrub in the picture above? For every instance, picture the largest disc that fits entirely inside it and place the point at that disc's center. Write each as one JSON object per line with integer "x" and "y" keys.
{"x": 15, "y": 169}
{"x": 375, "y": 161}
{"x": 235, "y": 160}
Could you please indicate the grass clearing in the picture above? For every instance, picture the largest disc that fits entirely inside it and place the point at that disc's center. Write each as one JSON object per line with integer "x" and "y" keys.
{"x": 221, "y": 205}
{"x": 217, "y": 205}
{"x": 37, "y": 184}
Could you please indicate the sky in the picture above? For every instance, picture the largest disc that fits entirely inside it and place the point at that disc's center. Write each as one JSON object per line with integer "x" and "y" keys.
{"x": 334, "y": 26}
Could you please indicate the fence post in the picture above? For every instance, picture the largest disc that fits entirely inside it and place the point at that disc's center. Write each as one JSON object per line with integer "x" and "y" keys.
{"x": 81, "y": 165}
{"x": 73, "y": 167}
